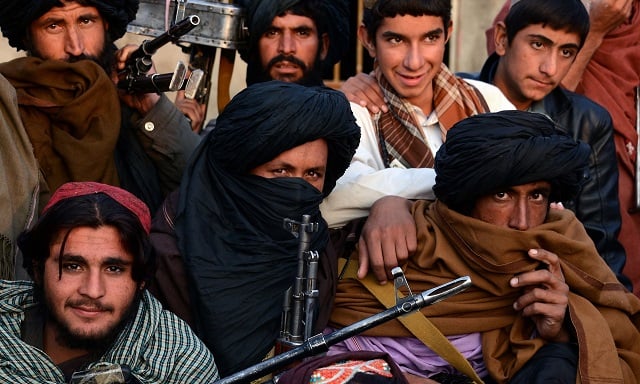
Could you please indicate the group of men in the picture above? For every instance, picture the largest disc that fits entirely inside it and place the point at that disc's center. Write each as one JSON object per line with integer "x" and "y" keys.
{"x": 546, "y": 292}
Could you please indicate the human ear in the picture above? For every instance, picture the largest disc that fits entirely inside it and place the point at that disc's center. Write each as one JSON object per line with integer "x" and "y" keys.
{"x": 500, "y": 38}
{"x": 324, "y": 42}
{"x": 366, "y": 41}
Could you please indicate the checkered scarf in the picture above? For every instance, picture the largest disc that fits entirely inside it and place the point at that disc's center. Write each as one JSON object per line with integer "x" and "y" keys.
{"x": 400, "y": 134}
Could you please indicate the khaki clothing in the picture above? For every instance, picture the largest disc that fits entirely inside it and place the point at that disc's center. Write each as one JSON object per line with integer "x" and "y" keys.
{"x": 19, "y": 172}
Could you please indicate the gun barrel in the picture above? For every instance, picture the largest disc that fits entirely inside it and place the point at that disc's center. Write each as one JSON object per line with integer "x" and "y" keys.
{"x": 321, "y": 343}
{"x": 157, "y": 83}
{"x": 149, "y": 47}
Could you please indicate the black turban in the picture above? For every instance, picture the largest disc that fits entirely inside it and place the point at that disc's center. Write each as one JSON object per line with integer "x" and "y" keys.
{"x": 330, "y": 16}
{"x": 16, "y": 16}
{"x": 274, "y": 117}
{"x": 486, "y": 152}
{"x": 229, "y": 223}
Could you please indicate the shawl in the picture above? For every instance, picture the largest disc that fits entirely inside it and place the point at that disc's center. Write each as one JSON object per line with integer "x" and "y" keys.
{"x": 229, "y": 223}
{"x": 606, "y": 316}
{"x": 71, "y": 112}
{"x": 159, "y": 347}
{"x": 401, "y": 135}
{"x": 610, "y": 79}
{"x": 19, "y": 169}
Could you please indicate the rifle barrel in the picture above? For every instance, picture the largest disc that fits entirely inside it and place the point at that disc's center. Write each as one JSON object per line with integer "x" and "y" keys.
{"x": 321, "y": 343}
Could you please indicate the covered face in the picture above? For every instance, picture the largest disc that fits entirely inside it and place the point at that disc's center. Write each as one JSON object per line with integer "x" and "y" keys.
{"x": 267, "y": 119}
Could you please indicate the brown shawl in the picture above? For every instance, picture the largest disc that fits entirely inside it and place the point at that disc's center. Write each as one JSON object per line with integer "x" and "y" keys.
{"x": 71, "y": 112}
{"x": 450, "y": 245}
{"x": 401, "y": 135}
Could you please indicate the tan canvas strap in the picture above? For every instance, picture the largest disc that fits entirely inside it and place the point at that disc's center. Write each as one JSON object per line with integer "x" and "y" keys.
{"x": 415, "y": 322}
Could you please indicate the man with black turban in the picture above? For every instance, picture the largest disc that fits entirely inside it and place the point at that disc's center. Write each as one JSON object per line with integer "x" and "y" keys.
{"x": 225, "y": 257}
{"x": 544, "y": 306}
{"x": 80, "y": 128}
{"x": 294, "y": 40}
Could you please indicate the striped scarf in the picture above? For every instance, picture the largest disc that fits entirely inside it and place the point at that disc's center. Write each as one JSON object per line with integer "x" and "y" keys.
{"x": 401, "y": 136}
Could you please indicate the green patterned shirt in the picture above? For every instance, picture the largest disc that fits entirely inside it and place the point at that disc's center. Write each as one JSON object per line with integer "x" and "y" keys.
{"x": 157, "y": 345}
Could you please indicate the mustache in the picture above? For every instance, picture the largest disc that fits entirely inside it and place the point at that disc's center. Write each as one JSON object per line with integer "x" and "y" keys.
{"x": 90, "y": 304}
{"x": 289, "y": 58}
{"x": 74, "y": 59}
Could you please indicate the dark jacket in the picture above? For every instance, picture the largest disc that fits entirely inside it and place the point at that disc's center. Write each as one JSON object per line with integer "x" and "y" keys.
{"x": 597, "y": 205}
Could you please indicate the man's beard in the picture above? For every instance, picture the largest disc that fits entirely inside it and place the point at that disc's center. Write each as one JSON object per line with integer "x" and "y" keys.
{"x": 310, "y": 77}
{"x": 105, "y": 59}
{"x": 95, "y": 342}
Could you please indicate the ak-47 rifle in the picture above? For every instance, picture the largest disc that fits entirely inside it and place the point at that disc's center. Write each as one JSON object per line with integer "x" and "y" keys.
{"x": 320, "y": 343}
{"x": 300, "y": 301}
{"x": 135, "y": 79}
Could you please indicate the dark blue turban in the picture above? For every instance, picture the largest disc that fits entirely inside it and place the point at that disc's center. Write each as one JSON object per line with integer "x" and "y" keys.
{"x": 16, "y": 16}
{"x": 490, "y": 151}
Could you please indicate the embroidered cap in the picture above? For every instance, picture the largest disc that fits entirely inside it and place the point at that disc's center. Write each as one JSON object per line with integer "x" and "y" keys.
{"x": 125, "y": 198}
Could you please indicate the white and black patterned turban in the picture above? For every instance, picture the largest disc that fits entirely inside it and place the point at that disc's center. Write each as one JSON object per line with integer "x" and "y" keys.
{"x": 486, "y": 152}
{"x": 16, "y": 16}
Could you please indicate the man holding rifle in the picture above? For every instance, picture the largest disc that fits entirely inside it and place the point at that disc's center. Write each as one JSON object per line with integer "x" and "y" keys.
{"x": 81, "y": 128}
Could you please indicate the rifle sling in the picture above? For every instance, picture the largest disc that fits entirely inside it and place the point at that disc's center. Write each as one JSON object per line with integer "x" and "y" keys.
{"x": 415, "y": 322}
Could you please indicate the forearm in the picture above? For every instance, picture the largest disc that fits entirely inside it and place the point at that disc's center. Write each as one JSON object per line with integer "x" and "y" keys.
{"x": 168, "y": 140}
{"x": 353, "y": 197}
{"x": 573, "y": 78}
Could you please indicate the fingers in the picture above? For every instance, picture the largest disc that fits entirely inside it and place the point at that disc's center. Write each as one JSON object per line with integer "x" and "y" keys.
{"x": 363, "y": 89}
{"x": 192, "y": 109}
{"x": 545, "y": 295}
{"x": 363, "y": 259}
{"x": 371, "y": 249}
{"x": 122, "y": 54}
{"x": 559, "y": 206}
{"x": 388, "y": 237}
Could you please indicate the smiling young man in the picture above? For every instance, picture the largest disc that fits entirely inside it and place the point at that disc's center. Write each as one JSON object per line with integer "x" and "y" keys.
{"x": 88, "y": 307}
{"x": 544, "y": 306}
{"x": 535, "y": 47}
{"x": 407, "y": 40}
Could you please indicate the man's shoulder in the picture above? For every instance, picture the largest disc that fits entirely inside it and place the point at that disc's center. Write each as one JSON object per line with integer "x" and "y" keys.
{"x": 14, "y": 295}
{"x": 575, "y": 110}
{"x": 494, "y": 97}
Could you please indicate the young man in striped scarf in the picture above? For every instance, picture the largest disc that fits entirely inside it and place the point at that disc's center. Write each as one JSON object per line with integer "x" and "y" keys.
{"x": 424, "y": 99}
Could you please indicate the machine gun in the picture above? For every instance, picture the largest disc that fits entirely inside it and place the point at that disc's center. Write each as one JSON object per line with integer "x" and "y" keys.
{"x": 135, "y": 79}
{"x": 222, "y": 29}
{"x": 320, "y": 343}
